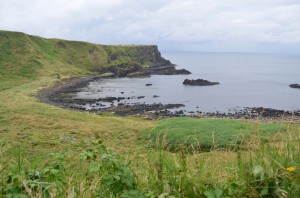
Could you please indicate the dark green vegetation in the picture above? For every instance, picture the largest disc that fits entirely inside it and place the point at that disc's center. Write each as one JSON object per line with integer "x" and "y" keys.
{"x": 47, "y": 151}
{"x": 89, "y": 169}
{"x": 207, "y": 134}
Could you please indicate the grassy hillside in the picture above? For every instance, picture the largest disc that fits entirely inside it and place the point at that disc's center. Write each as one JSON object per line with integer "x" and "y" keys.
{"x": 24, "y": 58}
{"x": 29, "y": 63}
{"x": 47, "y": 151}
{"x": 207, "y": 134}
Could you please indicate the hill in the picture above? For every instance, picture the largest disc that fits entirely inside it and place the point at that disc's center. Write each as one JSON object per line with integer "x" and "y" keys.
{"x": 24, "y": 58}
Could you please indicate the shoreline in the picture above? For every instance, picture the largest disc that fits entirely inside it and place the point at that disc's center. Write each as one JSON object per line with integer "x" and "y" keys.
{"x": 49, "y": 95}
{"x": 56, "y": 95}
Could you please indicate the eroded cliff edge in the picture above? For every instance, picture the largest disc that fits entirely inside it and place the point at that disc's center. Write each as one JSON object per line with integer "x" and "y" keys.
{"x": 28, "y": 57}
{"x": 137, "y": 60}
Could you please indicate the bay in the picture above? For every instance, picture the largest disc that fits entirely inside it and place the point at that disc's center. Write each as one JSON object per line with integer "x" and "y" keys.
{"x": 246, "y": 80}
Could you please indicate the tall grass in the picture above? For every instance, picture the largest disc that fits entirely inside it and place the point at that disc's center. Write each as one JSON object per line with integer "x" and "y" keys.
{"x": 260, "y": 169}
{"x": 207, "y": 134}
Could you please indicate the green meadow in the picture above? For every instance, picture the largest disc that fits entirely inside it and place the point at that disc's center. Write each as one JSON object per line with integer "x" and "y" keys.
{"x": 207, "y": 134}
{"x": 47, "y": 151}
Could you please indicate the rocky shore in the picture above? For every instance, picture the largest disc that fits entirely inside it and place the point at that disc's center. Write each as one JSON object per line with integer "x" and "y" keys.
{"x": 54, "y": 94}
{"x": 60, "y": 94}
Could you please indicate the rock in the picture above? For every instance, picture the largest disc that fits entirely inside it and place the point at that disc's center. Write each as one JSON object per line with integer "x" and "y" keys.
{"x": 199, "y": 82}
{"x": 138, "y": 109}
{"x": 172, "y": 106}
{"x": 156, "y": 64}
{"x": 183, "y": 71}
{"x": 68, "y": 139}
{"x": 139, "y": 97}
{"x": 296, "y": 86}
{"x": 111, "y": 99}
{"x": 155, "y": 96}
{"x": 168, "y": 69}
{"x": 164, "y": 67}
{"x": 148, "y": 85}
{"x": 179, "y": 112}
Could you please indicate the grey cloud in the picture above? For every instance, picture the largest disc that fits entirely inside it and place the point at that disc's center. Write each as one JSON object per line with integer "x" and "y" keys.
{"x": 194, "y": 24}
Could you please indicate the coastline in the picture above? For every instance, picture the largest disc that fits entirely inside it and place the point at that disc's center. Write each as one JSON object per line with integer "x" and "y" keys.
{"x": 50, "y": 94}
{"x": 55, "y": 95}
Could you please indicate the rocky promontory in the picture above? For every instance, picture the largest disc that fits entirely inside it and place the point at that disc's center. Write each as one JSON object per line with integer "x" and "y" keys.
{"x": 107, "y": 61}
{"x": 199, "y": 82}
{"x": 296, "y": 86}
{"x": 140, "y": 61}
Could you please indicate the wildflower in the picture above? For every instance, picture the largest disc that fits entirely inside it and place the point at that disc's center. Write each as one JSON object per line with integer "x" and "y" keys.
{"x": 290, "y": 169}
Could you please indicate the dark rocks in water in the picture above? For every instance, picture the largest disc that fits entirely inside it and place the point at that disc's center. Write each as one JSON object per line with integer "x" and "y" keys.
{"x": 111, "y": 99}
{"x": 60, "y": 95}
{"x": 140, "y": 97}
{"x": 148, "y": 84}
{"x": 122, "y": 92}
{"x": 155, "y": 96}
{"x": 172, "y": 106}
{"x": 199, "y": 82}
{"x": 183, "y": 71}
{"x": 179, "y": 112}
{"x": 253, "y": 112}
{"x": 139, "y": 109}
{"x": 296, "y": 86}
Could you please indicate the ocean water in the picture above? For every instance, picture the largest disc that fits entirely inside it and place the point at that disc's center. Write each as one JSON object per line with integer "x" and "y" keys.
{"x": 246, "y": 80}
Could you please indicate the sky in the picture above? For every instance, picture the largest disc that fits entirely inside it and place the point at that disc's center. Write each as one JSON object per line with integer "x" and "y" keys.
{"x": 263, "y": 26}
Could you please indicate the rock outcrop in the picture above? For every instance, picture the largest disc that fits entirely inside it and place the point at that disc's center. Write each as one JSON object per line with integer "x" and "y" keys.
{"x": 28, "y": 53}
{"x": 296, "y": 86}
{"x": 143, "y": 60}
{"x": 199, "y": 82}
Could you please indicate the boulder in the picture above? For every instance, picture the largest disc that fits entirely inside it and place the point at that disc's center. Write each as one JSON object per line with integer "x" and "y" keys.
{"x": 199, "y": 82}
{"x": 296, "y": 86}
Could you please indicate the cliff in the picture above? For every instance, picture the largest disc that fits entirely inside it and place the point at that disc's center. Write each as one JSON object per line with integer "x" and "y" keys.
{"x": 26, "y": 57}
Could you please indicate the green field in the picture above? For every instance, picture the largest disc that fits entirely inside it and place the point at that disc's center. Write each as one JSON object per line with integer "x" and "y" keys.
{"x": 47, "y": 151}
{"x": 207, "y": 134}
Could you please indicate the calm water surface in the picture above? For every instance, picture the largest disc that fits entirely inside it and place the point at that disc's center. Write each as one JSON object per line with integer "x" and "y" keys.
{"x": 247, "y": 80}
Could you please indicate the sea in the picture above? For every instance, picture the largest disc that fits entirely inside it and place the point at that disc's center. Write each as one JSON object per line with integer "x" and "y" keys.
{"x": 246, "y": 80}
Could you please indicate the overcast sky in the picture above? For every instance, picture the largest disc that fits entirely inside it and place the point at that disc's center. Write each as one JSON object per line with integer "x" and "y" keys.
{"x": 183, "y": 25}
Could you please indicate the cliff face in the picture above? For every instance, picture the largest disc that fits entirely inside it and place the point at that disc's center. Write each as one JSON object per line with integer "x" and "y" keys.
{"x": 28, "y": 57}
{"x": 134, "y": 60}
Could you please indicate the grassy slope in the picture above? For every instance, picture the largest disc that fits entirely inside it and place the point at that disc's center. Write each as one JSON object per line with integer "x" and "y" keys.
{"x": 24, "y": 58}
{"x": 29, "y": 63}
{"x": 208, "y": 133}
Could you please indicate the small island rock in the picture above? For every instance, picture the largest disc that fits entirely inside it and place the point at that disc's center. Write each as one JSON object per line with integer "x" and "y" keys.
{"x": 199, "y": 82}
{"x": 296, "y": 86}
